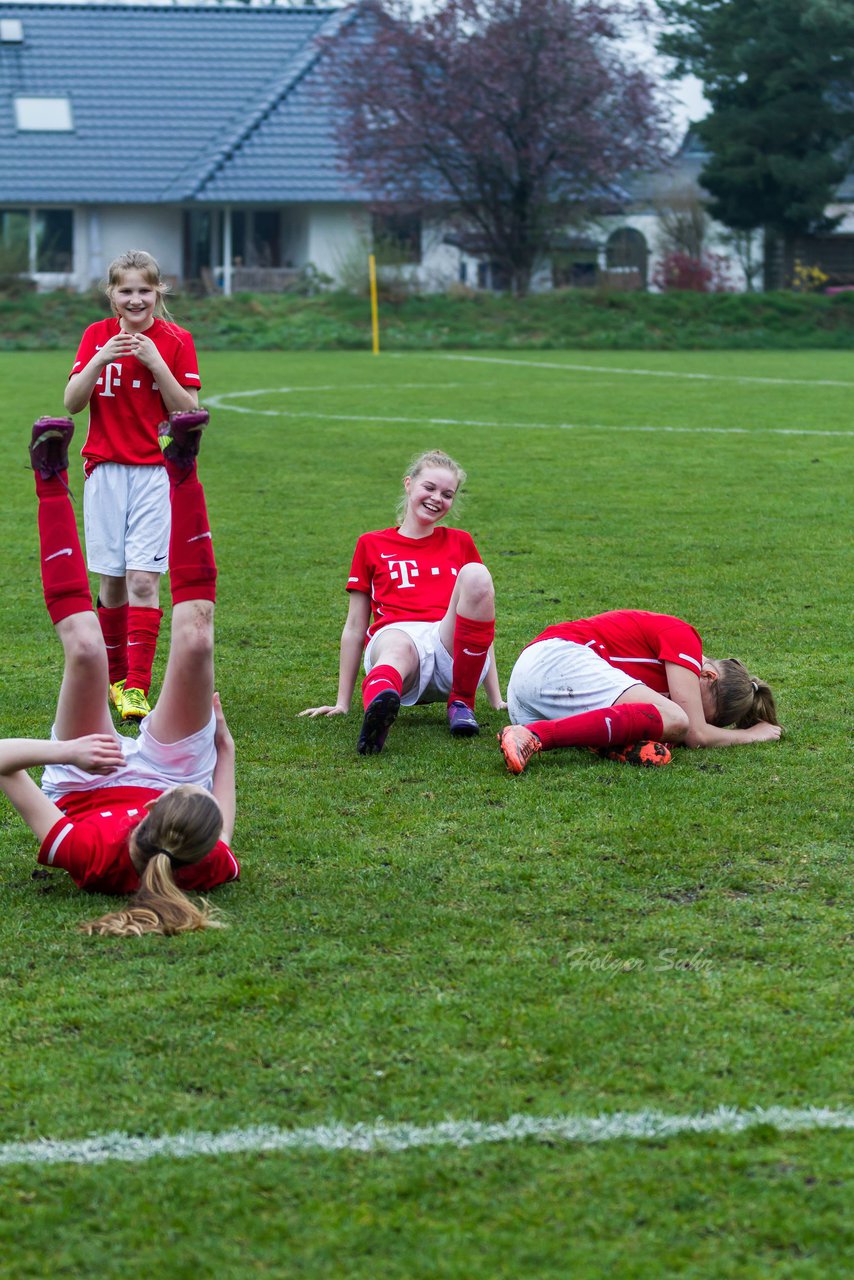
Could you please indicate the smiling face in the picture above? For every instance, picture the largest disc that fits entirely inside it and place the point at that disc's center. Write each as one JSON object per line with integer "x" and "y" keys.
{"x": 134, "y": 300}
{"x": 430, "y": 496}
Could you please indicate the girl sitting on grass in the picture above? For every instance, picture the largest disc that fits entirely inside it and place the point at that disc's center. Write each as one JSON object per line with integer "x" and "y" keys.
{"x": 150, "y": 815}
{"x": 627, "y": 683}
{"x": 433, "y": 608}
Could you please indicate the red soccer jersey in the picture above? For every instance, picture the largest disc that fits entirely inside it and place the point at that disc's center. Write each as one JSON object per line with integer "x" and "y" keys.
{"x": 409, "y": 579}
{"x": 637, "y": 642}
{"x": 91, "y": 843}
{"x": 126, "y": 407}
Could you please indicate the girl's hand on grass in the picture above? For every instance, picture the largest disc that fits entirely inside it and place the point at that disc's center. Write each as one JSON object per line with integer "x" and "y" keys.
{"x": 96, "y": 753}
{"x": 764, "y": 732}
{"x": 324, "y": 711}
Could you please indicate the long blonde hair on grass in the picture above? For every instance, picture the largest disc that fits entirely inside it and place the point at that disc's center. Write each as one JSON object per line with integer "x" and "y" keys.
{"x": 179, "y": 829}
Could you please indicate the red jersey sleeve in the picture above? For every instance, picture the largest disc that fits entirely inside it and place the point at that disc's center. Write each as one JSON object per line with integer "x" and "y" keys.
{"x": 217, "y": 867}
{"x": 679, "y": 643}
{"x": 85, "y": 351}
{"x": 361, "y": 570}
{"x": 185, "y": 364}
{"x": 89, "y": 856}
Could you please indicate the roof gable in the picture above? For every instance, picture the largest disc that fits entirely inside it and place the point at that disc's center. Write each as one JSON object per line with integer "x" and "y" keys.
{"x": 170, "y": 104}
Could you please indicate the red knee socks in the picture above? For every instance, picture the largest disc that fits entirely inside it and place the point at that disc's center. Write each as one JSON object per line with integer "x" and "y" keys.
{"x": 114, "y": 628}
{"x": 143, "y": 630}
{"x": 379, "y": 679}
{"x": 472, "y": 639}
{"x": 192, "y": 567}
{"x": 63, "y": 569}
{"x": 612, "y": 727}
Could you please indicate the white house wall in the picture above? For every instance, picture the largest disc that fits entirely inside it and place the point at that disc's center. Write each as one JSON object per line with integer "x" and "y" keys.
{"x": 336, "y": 234}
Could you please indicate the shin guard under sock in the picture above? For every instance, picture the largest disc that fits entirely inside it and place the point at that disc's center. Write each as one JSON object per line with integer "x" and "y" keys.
{"x": 63, "y": 569}
{"x": 143, "y": 630}
{"x": 192, "y": 567}
{"x": 472, "y": 639}
{"x": 114, "y": 629}
{"x": 611, "y": 727}
{"x": 379, "y": 679}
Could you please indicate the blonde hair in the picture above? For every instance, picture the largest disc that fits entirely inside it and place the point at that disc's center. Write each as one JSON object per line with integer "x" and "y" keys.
{"x": 148, "y": 267}
{"x": 742, "y": 699}
{"x": 180, "y": 829}
{"x": 432, "y": 458}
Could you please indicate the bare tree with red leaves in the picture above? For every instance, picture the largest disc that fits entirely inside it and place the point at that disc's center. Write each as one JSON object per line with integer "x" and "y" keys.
{"x": 510, "y": 119}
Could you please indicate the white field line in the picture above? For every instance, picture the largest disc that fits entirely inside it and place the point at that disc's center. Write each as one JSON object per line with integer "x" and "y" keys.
{"x": 383, "y": 1137}
{"x": 651, "y": 373}
{"x": 222, "y": 402}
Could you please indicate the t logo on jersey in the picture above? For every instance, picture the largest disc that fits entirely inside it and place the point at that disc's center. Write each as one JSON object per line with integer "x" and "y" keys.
{"x": 403, "y": 572}
{"x": 112, "y": 378}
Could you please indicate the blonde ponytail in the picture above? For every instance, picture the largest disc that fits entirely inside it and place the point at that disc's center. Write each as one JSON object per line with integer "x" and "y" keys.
{"x": 742, "y": 699}
{"x": 158, "y": 906}
{"x": 179, "y": 829}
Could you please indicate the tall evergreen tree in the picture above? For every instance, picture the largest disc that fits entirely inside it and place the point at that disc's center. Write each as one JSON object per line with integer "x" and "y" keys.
{"x": 779, "y": 76}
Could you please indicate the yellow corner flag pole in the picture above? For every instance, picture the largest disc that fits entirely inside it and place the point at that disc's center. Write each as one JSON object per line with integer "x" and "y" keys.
{"x": 375, "y": 320}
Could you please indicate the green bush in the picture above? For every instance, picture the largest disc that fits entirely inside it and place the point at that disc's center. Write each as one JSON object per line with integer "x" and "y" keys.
{"x": 582, "y": 319}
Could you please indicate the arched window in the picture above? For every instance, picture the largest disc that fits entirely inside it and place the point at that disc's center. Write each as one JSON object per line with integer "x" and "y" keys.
{"x": 627, "y": 250}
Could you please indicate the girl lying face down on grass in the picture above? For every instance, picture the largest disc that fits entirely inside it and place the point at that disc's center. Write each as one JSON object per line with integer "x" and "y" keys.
{"x": 630, "y": 684}
{"x": 149, "y": 816}
{"x": 433, "y": 604}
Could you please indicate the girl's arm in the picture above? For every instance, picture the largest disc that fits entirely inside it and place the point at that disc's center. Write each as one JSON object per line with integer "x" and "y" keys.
{"x": 491, "y": 684}
{"x": 684, "y": 688}
{"x": 352, "y": 646}
{"x": 173, "y": 395}
{"x": 223, "y": 788}
{"x": 96, "y": 753}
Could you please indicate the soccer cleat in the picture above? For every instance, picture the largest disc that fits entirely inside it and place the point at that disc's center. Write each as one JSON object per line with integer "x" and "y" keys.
{"x": 647, "y": 753}
{"x": 49, "y": 446}
{"x": 179, "y": 438}
{"x": 461, "y": 720}
{"x": 380, "y": 715}
{"x": 117, "y": 689}
{"x": 134, "y": 705}
{"x": 518, "y": 745}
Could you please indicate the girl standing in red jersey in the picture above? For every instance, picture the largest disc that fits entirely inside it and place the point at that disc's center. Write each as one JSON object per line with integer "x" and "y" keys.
{"x": 433, "y": 607}
{"x": 132, "y": 370}
{"x": 150, "y": 815}
{"x": 625, "y": 683}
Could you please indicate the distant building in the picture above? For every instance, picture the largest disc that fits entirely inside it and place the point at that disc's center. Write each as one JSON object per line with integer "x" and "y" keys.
{"x": 206, "y": 134}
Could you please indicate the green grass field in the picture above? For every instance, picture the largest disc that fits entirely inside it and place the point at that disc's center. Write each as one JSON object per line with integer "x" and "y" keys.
{"x": 419, "y": 937}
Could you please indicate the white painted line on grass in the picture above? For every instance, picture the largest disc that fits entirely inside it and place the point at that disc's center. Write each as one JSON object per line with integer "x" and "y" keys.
{"x": 650, "y": 373}
{"x": 222, "y": 402}
{"x": 383, "y": 1137}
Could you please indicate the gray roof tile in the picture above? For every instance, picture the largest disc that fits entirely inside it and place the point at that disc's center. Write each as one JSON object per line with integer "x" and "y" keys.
{"x": 170, "y": 104}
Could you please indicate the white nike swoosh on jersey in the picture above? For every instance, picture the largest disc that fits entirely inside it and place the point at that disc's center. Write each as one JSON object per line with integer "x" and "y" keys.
{"x": 475, "y": 653}
{"x": 66, "y": 551}
{"x": 199, "y": 537}
{"x": 393, "y": 555}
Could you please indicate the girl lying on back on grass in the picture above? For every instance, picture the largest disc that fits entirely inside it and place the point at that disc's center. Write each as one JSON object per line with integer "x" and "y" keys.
{"x": 149, "y": 816}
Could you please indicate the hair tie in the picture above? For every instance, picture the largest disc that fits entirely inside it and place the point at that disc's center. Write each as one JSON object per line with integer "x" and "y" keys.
{"x": 755, "y": 686}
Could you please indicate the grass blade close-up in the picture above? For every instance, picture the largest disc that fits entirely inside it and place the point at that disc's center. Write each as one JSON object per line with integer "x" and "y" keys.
{"x": 650, "y": 969}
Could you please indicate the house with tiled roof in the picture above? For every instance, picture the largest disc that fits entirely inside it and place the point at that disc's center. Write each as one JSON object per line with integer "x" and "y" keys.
{"x": 202, "y": 133}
